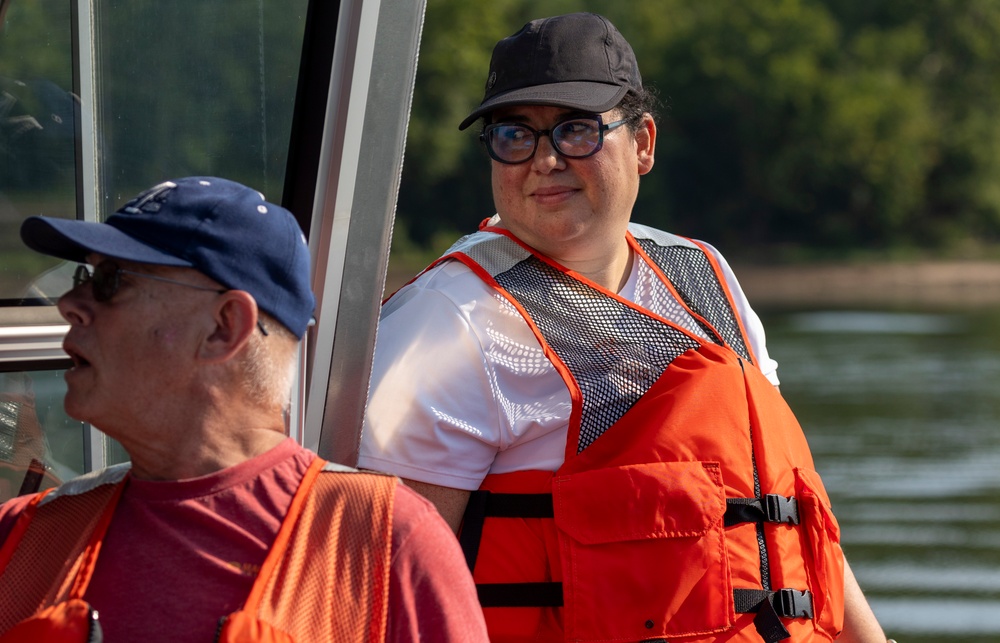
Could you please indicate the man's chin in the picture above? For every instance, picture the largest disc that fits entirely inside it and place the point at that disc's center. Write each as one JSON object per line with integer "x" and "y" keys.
{"x": 77, "y": 409}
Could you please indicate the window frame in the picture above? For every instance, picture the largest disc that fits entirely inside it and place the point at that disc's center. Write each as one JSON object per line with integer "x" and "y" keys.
{"x": 357, "y": 89}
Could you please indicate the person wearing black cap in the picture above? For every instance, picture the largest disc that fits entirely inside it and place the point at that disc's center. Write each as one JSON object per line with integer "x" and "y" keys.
{"x": 184, "y": 325}
{"x": 589, "y": 402}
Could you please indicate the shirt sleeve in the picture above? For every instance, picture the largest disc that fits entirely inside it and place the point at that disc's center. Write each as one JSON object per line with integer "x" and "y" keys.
{"x": 751, "y": 321}
{"x": 431, "y": 593}
{"x": 432, "y": 414}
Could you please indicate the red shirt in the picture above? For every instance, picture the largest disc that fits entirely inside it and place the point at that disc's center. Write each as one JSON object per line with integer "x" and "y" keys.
{"x": 181, "y": 554}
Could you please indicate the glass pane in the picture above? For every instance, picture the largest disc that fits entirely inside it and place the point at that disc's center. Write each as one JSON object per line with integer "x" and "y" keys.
{"x": 39, "y": 444}
{"x": 208, "y": 90}
{"x": 39, "y": 116}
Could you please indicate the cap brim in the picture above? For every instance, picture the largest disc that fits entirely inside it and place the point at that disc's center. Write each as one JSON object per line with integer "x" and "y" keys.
{"x": 584, "y": 96}
{"x": 73, "y": 240}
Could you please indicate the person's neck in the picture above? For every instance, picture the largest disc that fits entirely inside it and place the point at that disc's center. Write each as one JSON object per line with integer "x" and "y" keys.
{"x": 201, "y": 445}
{"x": 612, "y": 275}
{"x": 609, "y": 268}
{"x": 604, "y": 261}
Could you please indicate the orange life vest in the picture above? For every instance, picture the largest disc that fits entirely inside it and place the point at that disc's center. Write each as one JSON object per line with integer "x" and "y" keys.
{"x": 333, "y": 547}
{"x": 687, "y": 505}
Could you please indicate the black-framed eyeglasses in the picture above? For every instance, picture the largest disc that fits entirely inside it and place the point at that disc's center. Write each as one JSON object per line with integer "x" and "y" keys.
{"x": 105, "y": 280}
{"x": 576, "y": 138}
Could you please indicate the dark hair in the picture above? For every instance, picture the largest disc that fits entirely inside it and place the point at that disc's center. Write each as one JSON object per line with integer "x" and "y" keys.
{"x": 635, "y": 104}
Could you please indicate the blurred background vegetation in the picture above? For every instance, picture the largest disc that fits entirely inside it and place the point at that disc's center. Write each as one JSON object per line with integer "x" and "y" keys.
{"x": 791, "y": 130}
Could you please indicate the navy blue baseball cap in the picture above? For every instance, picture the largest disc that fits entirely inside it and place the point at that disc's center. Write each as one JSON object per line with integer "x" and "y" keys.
{"x": 218, "y": 227}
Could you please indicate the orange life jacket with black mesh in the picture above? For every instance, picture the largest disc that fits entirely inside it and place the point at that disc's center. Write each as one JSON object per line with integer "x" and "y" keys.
{"x": 333, "y": 548}
{"x": 687, "y": 504}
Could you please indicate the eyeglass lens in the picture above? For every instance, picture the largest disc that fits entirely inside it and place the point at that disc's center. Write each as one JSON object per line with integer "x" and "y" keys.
{"x": 103, "y": 278}
{"x": 574, "y": 138}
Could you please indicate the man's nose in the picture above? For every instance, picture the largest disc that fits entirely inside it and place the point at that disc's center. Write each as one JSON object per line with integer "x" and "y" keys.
{"x": 76, "y": 305}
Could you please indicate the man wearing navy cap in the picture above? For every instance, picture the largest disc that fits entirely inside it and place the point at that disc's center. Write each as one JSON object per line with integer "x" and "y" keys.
{"x": 590, "y": 401}
{"x": 185, "y": 317}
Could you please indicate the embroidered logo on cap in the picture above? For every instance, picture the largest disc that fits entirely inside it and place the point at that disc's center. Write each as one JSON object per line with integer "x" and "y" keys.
{"x": 150, "y": 200}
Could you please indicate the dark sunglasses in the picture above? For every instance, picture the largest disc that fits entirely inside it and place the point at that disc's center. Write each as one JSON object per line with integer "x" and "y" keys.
{"x": 575, "y": 138}
{"x": 105, "y": 280}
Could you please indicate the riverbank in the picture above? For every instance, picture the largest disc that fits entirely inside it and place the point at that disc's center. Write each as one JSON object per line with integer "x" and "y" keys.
{"x": 924, "y": 284}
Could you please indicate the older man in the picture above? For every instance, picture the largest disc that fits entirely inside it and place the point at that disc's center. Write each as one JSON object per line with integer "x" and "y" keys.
{"x": 591, "y": 399}
{"x": 185, "y": 318}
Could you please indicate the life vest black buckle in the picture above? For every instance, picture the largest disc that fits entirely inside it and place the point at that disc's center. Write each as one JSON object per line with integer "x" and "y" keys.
{"x": 771, "y": 508}
{"x": 771, "y": 607}
{"x": 781, "y": 509}
{"x": 791, "y": 603}
{"x": 786, "y": 602}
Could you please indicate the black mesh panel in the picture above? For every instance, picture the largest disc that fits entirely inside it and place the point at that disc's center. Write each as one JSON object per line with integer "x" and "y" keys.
{"x": 691, "y": 273}
{"x": 614, "y": 352}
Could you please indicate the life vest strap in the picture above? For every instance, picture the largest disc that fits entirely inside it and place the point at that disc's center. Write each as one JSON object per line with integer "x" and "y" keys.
{"x": 783, "y": 603}
{"x": 770, "y": 508}
{"x": 487, "y": 504}
{"x": 771, "y": 607}
{"x": 518, "y": 505}
{"x": 520, "y": 594}
{"x": 787, "y": 603}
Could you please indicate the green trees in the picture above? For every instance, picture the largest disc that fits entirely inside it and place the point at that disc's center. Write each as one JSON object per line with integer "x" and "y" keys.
{"x": 789, "y": 126}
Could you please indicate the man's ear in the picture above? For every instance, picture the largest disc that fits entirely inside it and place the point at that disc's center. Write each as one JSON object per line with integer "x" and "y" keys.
{"x": 645, "y": 139}
{"x": 235, "y": 317}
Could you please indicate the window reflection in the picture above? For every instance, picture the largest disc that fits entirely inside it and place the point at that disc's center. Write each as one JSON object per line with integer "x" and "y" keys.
{"x": 39, "y": 120}
{"x": 39, "y": 444}
{"x": 219, "y": 103}
{"x": 207, "y": 91}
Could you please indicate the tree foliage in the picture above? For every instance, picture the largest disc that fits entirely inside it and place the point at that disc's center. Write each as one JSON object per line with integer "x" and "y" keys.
{"x": 824, "y": 125}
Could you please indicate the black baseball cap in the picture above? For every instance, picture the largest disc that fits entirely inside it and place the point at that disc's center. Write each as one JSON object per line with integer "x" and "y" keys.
{"x": 577, "y": 61}
{"x": 219, "y": 227}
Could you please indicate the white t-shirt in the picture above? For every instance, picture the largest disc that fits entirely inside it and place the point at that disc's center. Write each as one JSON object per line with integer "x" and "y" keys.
{"x": 461, "y": 388}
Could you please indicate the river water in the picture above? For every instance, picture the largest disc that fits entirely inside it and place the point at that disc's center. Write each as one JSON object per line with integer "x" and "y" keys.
{"x": 902, "y": 411}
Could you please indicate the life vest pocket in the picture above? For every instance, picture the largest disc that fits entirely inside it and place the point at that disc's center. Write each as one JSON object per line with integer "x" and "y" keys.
{"x": 824, "y": 557}
{"x": 643, "y": 552}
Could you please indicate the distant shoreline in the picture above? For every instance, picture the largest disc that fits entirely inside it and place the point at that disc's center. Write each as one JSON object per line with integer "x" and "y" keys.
{"x": 922, "y": 284}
